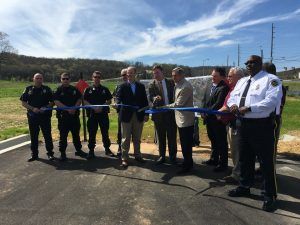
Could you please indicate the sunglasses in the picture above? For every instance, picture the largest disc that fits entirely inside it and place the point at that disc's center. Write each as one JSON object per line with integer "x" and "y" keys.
{"x": 65, "y": 78}
{"x": 96, "y": 77}
{"x": 250, "y": 62}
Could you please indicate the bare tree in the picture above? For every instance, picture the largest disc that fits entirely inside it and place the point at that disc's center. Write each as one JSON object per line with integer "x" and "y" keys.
{"x": 5, "y": 48}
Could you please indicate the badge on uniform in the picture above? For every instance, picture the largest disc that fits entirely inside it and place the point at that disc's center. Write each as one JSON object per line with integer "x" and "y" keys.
{"x": 74, "y": 92}
{"x": 30, "y": 92}
{"x": 103, "y": 92}
{"x": 90, "y": 92}
{"x": 274, "y": 83}
{"x": 94, "y": 89}
{"x": 257, "y": 87}
{"x": 44, "y": 91}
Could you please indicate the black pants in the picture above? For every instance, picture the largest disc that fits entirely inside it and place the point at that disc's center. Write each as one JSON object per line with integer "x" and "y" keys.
{"x": 165, "y": 127}
{"x": 196, "y": 132}
{"x": 65, "y": 124}
{"x": 186, "y": 141}
{"x": 217, "y": 134}
{"x": 37, "y": 122}
{"x": 95, "y": 120}
{"x": 119, "y": 140}
{"x": 257, "y": 139}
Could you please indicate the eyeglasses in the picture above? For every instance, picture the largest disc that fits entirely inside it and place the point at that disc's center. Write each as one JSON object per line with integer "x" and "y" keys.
{"x": 250, "y": 62}
{"x": 96, "y": 77}
{"x": 65, "y": 78}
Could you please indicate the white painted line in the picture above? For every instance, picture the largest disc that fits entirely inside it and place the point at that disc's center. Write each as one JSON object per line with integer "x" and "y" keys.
{"x": 13, "y": 138}
{"x": 14, "y": 147}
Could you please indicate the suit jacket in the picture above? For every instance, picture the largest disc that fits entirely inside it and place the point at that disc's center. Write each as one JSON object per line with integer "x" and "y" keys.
{"x": 215, "y": 100}
{"x": 154, "y": 90}
{"x": 125, "y": 96}
{"x": 183, "y": 98}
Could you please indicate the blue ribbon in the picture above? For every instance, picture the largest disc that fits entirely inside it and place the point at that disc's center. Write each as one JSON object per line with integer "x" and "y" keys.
{"x": 190, "y": 109}
{"x": 88, "y": 107}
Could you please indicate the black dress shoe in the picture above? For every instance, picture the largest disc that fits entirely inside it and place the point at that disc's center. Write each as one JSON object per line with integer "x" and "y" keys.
{"x": 124, "y": 163}
{"x": 239, "y": 192}
{"x": 51, "y": 157}
{"x": 161, "y": 160}
{"x": 63, "y": 157}
{"x": 269, "y": 204}
{"x": 139, "y": 159}
{"x": 81, "y": 153}
{"x": 91, "y": 155}
{"x": 108, "y": 152}
{"x": 220, "y": 168}
{"x": 210, "y": 162}
{"x": 33, "y": 158}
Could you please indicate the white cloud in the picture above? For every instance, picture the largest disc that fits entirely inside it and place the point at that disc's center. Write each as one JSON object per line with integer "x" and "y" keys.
{"x": 122, "y": 30}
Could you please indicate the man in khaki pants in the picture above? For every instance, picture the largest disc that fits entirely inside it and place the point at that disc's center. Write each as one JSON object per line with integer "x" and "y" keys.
{"x": 132, "y": 93}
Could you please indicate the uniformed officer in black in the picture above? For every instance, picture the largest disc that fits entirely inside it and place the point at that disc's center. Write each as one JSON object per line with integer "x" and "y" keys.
{"x": 35, "y": 98}
{"x": 68, "y": 119}
{"x": 97, "y": 94}
{"x": 254, "y": 100}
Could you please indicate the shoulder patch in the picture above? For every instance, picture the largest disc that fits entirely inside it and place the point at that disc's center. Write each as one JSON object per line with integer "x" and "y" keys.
{"x": 274, "y": 83}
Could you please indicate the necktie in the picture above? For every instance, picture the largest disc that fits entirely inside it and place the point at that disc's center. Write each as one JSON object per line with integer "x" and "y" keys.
{"x": 212, "y": 89}
{"x": 244, "y": 95}
{"x": 162, "y": 92}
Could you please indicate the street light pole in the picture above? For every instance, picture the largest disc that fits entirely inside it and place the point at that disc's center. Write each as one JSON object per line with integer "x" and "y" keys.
{"x": 203, "y": 65}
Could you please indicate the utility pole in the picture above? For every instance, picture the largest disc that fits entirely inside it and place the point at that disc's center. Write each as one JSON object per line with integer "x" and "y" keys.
{"x": 227, "y": 60}
{"x": 272, "y": 38}
{"x": 239, "y": 54}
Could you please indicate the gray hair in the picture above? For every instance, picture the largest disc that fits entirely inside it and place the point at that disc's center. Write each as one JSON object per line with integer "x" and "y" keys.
{"x": 124, "y": 71}
{"x": 178, "y": 70}
{"x": 238, "y": 70}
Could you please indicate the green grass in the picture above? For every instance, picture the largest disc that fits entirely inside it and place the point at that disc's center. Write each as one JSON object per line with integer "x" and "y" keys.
{"x": 13, "y": 119}
{"x": 293, "y": 86}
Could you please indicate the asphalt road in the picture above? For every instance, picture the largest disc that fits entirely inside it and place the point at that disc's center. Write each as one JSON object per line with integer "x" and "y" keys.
{"x": 101, "y": 192}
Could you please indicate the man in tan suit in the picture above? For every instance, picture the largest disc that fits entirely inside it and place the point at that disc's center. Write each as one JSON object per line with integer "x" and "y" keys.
{"x": 183, "y": 94}
{"x": 161, "y": 92}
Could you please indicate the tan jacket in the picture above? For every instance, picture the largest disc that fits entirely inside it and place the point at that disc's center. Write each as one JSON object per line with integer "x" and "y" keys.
{"x": 183, "y": 94}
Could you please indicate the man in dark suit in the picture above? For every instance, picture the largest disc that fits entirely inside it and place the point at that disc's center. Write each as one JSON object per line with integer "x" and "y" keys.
{"x": 132, "y": 93}
{"x": 214, "y": 97}
{"x": 161, "y": 92}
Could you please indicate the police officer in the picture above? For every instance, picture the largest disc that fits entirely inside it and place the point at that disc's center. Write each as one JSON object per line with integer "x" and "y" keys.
{"x": 34, "y": 98}
{"x": 254, "y": 100}
{"x": 98, "y": 116}
{"x": 68, "y": 119}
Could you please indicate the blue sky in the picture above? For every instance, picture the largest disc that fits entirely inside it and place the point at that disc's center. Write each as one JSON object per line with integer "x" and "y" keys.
{"x": 187, "y": 32}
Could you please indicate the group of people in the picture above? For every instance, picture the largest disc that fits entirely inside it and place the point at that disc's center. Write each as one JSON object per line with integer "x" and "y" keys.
{"x": 248, "y": 106}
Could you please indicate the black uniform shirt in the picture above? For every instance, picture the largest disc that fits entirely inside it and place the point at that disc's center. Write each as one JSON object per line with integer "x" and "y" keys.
{"x": 37, "y": 96}
{"x": 97, "y": 96}
{"x": 67, "y": 95}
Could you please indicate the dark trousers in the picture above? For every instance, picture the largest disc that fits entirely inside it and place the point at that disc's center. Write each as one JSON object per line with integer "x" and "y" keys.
{"x": 186, "y": 142}
{"x": 98, "y": 120}
{"x": 217, "y": 134}
{"x": 66, "y": 124}
{"x": 278, "y": 121}
{"x": 196, "y": 132}
{"x": 257, "y": 139}
{"x": 165, "y": 127}
{"x": 119, "y": 140}
{"x": 37, "y": 122}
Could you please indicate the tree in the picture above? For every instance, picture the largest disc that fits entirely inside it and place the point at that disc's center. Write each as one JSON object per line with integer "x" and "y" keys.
{"x": 5, "y": 49}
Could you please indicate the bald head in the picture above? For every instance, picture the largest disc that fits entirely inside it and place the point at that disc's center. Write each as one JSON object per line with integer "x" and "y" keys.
{"x": 37, "y": 79}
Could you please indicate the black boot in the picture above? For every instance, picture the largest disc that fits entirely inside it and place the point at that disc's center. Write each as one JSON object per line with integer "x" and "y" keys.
{"x": 63, "y": 157}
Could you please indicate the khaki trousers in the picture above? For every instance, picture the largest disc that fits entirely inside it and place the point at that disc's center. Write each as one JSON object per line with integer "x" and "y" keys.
{"x": 133, "y": 128}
